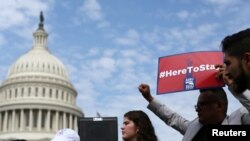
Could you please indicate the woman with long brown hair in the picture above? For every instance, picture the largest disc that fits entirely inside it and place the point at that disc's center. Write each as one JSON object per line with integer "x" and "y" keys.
{"x": 137, "y": 127}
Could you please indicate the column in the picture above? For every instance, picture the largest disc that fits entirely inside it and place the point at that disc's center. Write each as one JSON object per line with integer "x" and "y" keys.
{"x": 57, "y": 120}
{"x": 5, "y": 121}
{"x": 70, "y": 121}
{"x": 64, "y": 120}
{"x": 75, "y": 123}
{"x": 1, "y": 125}
{"x": 39, "y": 122}
{"x": 22, "y": 120}
{"x": 31, "y": 119}
{"x": 48, "y": 121}
{"x": 13, "y": 120}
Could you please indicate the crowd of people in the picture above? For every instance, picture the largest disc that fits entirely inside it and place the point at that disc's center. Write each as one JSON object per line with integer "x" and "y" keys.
{"x": 212, "y": 103}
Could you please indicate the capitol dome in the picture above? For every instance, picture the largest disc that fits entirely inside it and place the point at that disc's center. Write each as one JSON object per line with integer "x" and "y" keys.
{"x": 37, "y": 98}
{"x": 38, "y": 61}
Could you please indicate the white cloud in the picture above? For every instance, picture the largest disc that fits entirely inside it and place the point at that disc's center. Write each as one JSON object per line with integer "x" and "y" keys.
{"x": 183, "y": 14}
{"x": 192, "y": 38}
{"x": 97, "y": 70}
{"x": 93, "y": 10}
{"x": 26, "y": 31}
{"x": 107, "y": 63}
{"x": 93, "y": 52}
{"x": 129, "y": 53}
{"x": 222, "y": 2}
{"x": 109, "y": 52}
{"x": 220, "y": 7}
{"x": 130, "y": 38}
{"x": 152, "y": 37}
{"x": 18, "y": 13}
{"x": 11, "y": 17}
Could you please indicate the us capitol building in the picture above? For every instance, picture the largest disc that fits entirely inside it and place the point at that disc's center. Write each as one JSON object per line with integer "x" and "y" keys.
{"x": 37, "y": 98}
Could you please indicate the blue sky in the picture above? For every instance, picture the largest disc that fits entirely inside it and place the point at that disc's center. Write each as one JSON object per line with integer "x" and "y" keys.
{"x": 111, "y": 46}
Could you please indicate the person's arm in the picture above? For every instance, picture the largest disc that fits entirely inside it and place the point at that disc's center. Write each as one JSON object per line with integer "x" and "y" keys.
{"x": 170, "y": 117}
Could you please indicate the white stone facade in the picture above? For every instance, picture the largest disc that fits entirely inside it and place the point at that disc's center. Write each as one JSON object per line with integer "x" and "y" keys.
{"x": 37, "y": 98}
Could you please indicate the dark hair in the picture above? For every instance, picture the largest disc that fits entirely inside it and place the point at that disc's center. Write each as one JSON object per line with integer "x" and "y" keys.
{"x": 142, "y": 121}
{"x": 218, "y": 94}
{"x": 237, "y": 44}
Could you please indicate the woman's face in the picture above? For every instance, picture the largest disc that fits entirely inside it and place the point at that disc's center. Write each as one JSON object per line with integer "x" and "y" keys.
{"x": 129, "y": 130}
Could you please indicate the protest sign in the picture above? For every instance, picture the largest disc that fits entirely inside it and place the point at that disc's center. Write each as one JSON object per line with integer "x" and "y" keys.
{"x": 188, "y": 71}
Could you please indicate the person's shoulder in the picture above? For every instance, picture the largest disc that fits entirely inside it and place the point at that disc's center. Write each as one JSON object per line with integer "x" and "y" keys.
{"x": 238, "y": 111}
{"x": 236, "y": 116}
{"x": 194, "y": 122}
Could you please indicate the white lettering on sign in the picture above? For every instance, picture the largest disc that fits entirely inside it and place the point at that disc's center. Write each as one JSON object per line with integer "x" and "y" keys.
{"x": 189, "y": 69}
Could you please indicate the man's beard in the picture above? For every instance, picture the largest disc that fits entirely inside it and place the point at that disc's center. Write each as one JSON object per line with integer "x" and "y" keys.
{"x": 240, "y": 82}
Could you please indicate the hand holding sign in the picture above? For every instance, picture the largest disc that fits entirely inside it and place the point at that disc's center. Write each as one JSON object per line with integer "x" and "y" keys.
{"x": 222, "y": 75}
